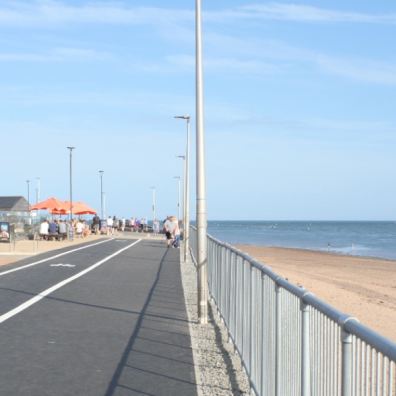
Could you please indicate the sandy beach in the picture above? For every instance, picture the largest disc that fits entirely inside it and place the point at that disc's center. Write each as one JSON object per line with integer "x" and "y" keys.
{"x": 362, "y": 287}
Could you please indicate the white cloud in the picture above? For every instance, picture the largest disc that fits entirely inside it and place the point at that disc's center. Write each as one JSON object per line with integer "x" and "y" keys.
{"x": 223, "y": 53}
{"x": 55, "y": 13}
{"x": 224, "y": 64}
{"x": 283, "y": 56}
{"x": 49, "y": 13}
{"x": 298, "y": 13}
{"x": 55, "y": 55}
{"x": 363, "y": 70}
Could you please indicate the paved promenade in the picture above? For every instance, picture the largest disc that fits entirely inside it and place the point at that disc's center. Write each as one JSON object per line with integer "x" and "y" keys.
{"x": 104, "y": 318}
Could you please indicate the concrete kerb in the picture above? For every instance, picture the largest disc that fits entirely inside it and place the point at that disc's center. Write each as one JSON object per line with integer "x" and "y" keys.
{"x": 228, "y": 370}
{"x": 194, "y": 344}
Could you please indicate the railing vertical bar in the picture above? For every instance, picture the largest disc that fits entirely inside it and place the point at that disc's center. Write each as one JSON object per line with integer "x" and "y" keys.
{"x": 378, "y": 375}
{"x": 346, "y": 363}
{"x": 305, "y": 341}
{"x": 251, "y": 324}
{"x": 372, "y": 371}
{"x": 358, "y": 363}
{"x": 363, "y": 368}
{"x": 391, "y": 379}
{"x": 264, "y": 350}
{"x": 384, "y": 378}
{"x": 353, "y": 390}
{"x": 368, "y": 370}
{"x": 277, "y": 340}
{"x": 243, "y": 322}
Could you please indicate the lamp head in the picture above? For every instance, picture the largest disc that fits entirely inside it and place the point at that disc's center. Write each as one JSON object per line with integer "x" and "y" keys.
{"x": 183, "y": 117}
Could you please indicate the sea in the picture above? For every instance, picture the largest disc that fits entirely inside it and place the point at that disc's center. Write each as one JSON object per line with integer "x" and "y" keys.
{"x": 357, "y": 238}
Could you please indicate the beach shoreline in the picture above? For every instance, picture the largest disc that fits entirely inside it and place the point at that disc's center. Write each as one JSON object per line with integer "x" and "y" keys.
{"x": 363, "y": 287}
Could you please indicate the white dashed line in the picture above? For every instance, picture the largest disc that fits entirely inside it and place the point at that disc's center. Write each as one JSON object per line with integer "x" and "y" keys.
{"x": 63, "y": 265}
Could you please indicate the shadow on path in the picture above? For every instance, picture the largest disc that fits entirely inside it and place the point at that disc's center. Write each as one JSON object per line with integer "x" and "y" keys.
{"x": 158, "y": 357}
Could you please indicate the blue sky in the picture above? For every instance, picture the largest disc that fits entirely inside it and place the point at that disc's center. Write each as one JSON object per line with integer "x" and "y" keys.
{"x": 300, "y": 100}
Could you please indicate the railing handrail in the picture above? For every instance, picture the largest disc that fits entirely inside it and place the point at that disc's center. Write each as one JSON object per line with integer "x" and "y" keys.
{"x": 348, "y": 323}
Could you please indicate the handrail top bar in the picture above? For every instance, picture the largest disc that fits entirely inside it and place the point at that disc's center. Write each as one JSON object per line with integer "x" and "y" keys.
{"x": 348, "y": 323}
{"x": 382, "y": 344}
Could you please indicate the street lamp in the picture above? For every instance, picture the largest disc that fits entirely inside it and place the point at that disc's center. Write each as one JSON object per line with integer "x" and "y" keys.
{"x": 183, "y": 157}
{"x": 28, "y": 193}
{"x": 71, "y": 148}
{"x": 153, "y": 207}
{"x": 178, "y": 178}
{"x": 38, "y": 189}
{"x": 186, "y": 234}
{"x": 202, "y": 253}
{"x": 101, "y": 194}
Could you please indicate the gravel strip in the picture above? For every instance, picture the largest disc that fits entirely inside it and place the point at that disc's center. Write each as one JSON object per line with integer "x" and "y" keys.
{"x": 218, "y": 369}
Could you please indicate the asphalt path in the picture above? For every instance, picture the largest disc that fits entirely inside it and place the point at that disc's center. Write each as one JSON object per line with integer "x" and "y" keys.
{"x": 107, "y": 318}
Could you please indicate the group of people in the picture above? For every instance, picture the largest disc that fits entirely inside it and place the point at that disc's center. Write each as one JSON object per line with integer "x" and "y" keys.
{"x": 60, "y": 229}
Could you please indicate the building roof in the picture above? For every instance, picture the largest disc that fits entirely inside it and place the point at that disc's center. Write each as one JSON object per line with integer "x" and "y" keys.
{"x": 13, "y": 204}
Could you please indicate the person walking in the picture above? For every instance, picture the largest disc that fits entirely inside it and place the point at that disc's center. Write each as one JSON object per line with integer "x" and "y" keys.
{"x": 156, "y": 227}
{"x": 109, "y": 226}
{"x": 96, "y": 224}
{"x": 172, "y": 231}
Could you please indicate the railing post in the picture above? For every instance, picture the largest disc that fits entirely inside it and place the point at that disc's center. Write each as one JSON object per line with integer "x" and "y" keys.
{"x": 305, "y": 358}
{"x": 346, "y": 363}
{"x": 277, "y": 340}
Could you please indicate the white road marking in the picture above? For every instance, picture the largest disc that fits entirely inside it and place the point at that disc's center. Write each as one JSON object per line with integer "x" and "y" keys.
{"x": 62, "y": 265}
{"x": 52, "y": 257}
{"x": 50, "y": 290}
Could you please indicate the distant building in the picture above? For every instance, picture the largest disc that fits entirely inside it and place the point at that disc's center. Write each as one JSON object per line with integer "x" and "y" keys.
{"x": 15, "y": 210}
{"x": 13, "y": 204}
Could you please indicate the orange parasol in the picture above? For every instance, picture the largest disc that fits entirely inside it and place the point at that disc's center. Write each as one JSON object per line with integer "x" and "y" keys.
{"x": 79, "y": 208}
{"x": 52, "y": 205}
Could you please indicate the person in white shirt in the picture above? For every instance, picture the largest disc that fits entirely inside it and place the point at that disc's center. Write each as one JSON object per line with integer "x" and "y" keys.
{"x": 79, "y": 229}
{"x": 44, "y": 229}
{"x": 172, "y": 227}
{"x": 109, "y": 226}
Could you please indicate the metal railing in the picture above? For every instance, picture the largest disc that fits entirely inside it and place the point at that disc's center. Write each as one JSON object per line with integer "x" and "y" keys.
{"x": 290, "y": 342}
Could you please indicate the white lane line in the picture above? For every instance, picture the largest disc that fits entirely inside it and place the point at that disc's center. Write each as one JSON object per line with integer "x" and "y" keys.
{"x": 48, "y": 291}
{"x": 52, "y": 257}
{"x": 63, "y": 265}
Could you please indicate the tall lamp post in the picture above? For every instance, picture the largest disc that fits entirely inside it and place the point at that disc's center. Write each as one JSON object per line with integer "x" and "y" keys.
{"x": 38, "y": 189}
{"x": 202, "y": 253}
{"x": 154, "y": 204}
{"x": 101, "y": 194}
{"x": 178, "y": 178}
{"x": 28, "y": 193}
{"x": 186, "y": 235}
{"x": 183, "y": 157}
{"x": 71, "y": 148}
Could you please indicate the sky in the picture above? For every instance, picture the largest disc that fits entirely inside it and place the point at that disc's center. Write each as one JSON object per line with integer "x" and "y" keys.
{"x": 300, "y": 119}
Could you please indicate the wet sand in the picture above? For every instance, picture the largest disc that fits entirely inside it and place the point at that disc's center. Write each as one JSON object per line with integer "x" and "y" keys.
{"x": 362, "y": 287}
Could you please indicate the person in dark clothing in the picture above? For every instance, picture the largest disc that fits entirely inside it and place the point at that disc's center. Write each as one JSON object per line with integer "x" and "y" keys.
{"x": 96, "y": 224}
